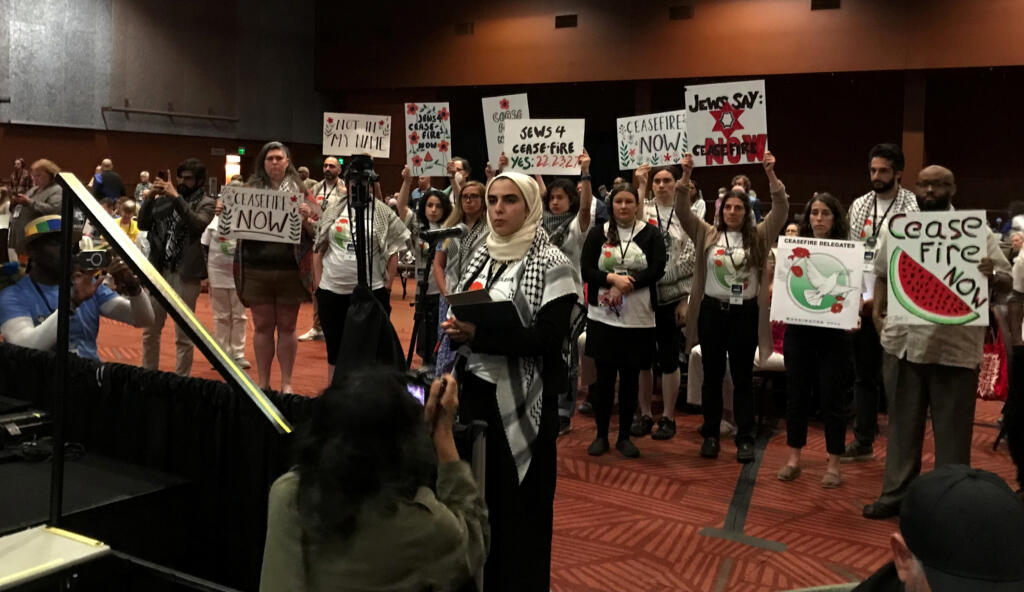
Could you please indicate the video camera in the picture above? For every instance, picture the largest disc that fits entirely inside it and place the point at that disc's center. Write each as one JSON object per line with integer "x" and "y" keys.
{"x": 93, "y": 259}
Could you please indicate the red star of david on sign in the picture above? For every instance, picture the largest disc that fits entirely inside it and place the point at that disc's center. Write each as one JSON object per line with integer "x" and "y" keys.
{"x": 727, "y": 119}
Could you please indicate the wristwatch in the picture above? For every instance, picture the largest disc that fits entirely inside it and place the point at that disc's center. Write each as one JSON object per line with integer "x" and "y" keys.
{"x": 585, "y": 177}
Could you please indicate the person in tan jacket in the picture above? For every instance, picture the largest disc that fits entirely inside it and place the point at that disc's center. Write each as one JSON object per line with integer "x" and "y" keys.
{"x": 729, "y": 298}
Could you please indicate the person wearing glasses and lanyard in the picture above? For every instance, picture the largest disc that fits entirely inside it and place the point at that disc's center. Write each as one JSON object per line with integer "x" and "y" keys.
{"x": 729, "y": 299}
{"x": 621, "y": 262}
{"x": 868, "y": 216}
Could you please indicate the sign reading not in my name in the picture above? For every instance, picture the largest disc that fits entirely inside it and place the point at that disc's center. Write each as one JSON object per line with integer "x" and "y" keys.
{"x": 261, "y": 214}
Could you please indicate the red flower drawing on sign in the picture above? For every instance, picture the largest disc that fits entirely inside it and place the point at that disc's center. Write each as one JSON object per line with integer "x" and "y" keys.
{"x": 720, "y": 252}
{"x": 798, "y": 271}
{"x": 443, "y": 114}
{"x": 222, "y": 239}
{"x": 718, "y": 262}
{"x": 632, "y": 151}
{"x": 837, "y": 308}
{"x": 381, "y": 122}
{"x": 442, "y": 146}
{"x": 330, "y": 120}
{"x": 294, "y": 199}
{"x": 668, "y": 157}
{"x": 801, "y": 252}
{"x": 412, "y": 109}
{"x": 503, "y": 103}
{"x": 416, "y": 160}
{"x": 414, "y": 137}
{"x": 867, "y": 222}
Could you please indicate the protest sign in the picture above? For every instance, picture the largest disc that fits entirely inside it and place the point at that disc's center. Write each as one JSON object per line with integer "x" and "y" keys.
{"x": 428, "y": 140}
{"x": 932, "y": 260}
{"x": 544, "y": 146}
{"x": 347, "y": 133}
{"x": 655, "y": 139}
{"x": 498, "y": 110}
{"x": 261, "y": 214}
{"x": 818, "y": 282}
{"x": 727, "y": 122}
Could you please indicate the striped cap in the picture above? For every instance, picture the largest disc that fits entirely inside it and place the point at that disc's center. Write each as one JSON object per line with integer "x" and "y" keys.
{"x": 40, "y": 226}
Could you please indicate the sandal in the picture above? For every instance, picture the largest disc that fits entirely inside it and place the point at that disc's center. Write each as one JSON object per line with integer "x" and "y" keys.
{"x": 789, "y": 473}
{"x": 831, "y": 480}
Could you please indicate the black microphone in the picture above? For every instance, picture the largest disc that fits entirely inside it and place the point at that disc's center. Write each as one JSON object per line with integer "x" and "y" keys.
{"x": 442, "y": 233}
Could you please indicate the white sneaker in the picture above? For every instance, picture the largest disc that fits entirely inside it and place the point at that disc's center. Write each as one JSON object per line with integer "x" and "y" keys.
{"x": 243, "y": 363}
{"x": 313, "y": 334}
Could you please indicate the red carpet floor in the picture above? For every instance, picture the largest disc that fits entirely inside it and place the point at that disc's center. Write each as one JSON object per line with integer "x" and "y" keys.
{"x": 636, "y": 525}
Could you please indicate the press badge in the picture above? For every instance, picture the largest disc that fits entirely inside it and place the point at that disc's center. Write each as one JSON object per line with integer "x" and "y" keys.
{"x": 620, "y": 270}
{"x": 869, "y": 258}
{"x": 736, "y": 298}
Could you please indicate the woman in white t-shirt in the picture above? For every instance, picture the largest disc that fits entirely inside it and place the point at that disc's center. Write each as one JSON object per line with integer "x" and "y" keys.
{"x": 729, "y": 300}
{"x": 432, "y": 209}
{"x": 228, "y": 311}
{"x": 621, "y": 263}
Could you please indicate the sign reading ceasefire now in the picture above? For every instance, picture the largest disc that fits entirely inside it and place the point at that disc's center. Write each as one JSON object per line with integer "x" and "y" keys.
{"x": 261, "y": 214}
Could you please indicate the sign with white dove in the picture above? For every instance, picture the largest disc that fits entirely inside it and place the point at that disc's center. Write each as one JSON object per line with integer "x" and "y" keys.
{"x": 261, "y": 214}
{"x": 818, "y": 282}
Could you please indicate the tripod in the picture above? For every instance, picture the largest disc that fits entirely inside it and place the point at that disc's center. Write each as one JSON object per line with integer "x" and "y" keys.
{"x": 359, "y": 177}
{"x": 422, "y": 284}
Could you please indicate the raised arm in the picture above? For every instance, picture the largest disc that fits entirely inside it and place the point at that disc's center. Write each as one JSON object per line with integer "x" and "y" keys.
{"x": 587, "y": 195}
{"x": 541, "y": 186}
{"x": 403, "y": 193}
{"x": 641, "y": 177}
{"x": 776, "y": 218}
{"x": 684, "y": 193}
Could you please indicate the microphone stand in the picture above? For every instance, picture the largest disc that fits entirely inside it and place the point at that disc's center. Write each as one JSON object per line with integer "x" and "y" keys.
{"x": 422, "y": 284}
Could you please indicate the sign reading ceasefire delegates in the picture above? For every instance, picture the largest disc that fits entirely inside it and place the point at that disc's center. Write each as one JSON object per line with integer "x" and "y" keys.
{"x": 346, "y": 134}
{"x": 260, "y": 214}
{"x": 818, "y": 282}
{"x": 428, "y": 140}
{"x": 498, "y": 110}
{"x": 728, "y": 122}
{"x": 933, "y": 268}
{"x": 658, "y": 138}
{"x": 544, "y": 146}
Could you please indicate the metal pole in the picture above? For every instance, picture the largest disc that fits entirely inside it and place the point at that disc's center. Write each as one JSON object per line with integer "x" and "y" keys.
{"x": 63, "y": 330}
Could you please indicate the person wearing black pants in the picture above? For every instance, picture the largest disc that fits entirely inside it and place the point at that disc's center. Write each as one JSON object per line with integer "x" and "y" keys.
{"x": 621, "y": 263}
{"x": 729, "y": 298}
{"x": 867, "y": 389}
{"x": 818, "y": 357}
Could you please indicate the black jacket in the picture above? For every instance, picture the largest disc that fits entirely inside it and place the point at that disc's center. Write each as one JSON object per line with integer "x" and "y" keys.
{"x": 197, "y": 211}
{"x": 650, "y": 242}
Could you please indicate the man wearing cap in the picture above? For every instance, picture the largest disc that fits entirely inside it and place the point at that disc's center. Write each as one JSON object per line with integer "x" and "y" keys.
{"x": 961, "y": 529}
{"x": 28, "y": 309}
{"x": 929, "y": 367}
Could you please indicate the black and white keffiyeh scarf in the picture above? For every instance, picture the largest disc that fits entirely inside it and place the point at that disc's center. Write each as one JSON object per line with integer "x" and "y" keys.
{"x": 557, "y": 226}
{"x": 544, "y": 276}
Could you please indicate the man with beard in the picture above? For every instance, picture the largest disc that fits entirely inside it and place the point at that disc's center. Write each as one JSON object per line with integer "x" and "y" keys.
{"x": 929, "y": 366}
{"x": 868, "y": 215}
{"x": 331, "y": 185}
{"x": 175, "y": 218}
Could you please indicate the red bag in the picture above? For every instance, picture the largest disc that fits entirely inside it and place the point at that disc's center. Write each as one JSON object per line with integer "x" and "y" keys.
{"x": 993, "y": 380}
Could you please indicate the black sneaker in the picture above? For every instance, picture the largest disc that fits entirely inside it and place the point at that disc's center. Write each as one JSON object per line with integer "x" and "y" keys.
{"x": 598, "y": 447}
{"x": 666, "y": 429}
{"x": 880, "y": 511}
{"x": 855, "y": 451}
{"x": 627, "y": 448}
{"x": 744, "y": 451}
{"x": 564, "y": 425}
{"x": 710, "y": 448}
{"x": 586, "y": 408}
{"x": 642, "y": 425}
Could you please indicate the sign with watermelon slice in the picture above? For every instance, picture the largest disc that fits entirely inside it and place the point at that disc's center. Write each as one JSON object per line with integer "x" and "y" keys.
{"x": 818, "y": 282}
{"x": 932, "y": 266}
{"x": 428, "y": 138}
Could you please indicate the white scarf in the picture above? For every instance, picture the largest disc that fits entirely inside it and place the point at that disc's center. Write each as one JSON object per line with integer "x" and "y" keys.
{"x": 514, "y": 246}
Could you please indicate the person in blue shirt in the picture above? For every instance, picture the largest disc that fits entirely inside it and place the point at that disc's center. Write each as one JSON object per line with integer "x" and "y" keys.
{"x": 28, "y": 309}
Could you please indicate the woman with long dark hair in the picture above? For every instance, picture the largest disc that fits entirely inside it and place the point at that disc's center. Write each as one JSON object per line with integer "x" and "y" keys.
{"x": 512, "y": 377}
{"x": 432, "y": 209}
{"x": 622, "y": 262}
{"x": 818, "y": 357}
{"x": 729, "y": 299}
{"x": 359, "y": 510}
{"x": 273, "y": 278}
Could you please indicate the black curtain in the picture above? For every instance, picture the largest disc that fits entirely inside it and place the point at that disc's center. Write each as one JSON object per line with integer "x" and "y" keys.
{"x": 199, "y": 429}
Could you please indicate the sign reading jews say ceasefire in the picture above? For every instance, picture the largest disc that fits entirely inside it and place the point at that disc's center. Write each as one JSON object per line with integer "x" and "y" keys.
{"x": 818, "y": 282}
{"x": 261, "y": 214}
{"x": 544, "y": 146}
{"x": 727, "y": 122}
{"x": 347, "y": 133}
{"x": 428, "y": 138}
{"x": 498, "y": 110}
{"x": 655, "y": 139}
{"x": 933, "y": 268}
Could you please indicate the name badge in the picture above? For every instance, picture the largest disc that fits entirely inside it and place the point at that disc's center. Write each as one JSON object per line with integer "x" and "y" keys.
{"x": 736, "y": 298}
{"x": 621, "y": 270}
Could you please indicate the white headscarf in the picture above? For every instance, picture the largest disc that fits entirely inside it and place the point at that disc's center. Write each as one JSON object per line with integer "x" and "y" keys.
{"x": 515, "y": 246}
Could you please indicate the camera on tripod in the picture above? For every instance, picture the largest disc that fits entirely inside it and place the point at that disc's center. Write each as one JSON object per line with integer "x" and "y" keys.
{"x": 93, "y": 259}
{"x": 360, "y": 174}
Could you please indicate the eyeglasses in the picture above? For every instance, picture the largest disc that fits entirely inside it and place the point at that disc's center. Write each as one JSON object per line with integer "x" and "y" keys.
{"x": 471, "y": 196}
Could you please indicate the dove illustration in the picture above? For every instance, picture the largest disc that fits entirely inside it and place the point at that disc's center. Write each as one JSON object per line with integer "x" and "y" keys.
{"x": 823, "y": 286}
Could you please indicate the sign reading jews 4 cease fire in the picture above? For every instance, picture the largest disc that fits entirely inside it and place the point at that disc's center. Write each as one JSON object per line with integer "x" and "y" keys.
{"x": 544, "y": 146}
{"x": 428, "y": 138}
{"x": 818, "y": 282}
{"x": 261, "y": 214}
{"x": 932, "y": 268}
{"x": 727, "y": 122}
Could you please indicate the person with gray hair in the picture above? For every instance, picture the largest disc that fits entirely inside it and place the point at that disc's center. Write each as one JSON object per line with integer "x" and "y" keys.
{"x": 142, "y": 187}
{"x": 307, "y": 182}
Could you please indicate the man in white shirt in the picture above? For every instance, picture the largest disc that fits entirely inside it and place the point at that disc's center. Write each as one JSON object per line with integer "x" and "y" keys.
{"x": 331, "y": 185}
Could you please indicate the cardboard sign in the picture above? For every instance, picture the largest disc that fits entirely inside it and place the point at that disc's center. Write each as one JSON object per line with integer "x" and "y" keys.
{"x": 428, "y": 140}
{"x": 498, "y": 110}
{"x": 544, "y": 146}
{"x": 728, "y": 122}
{"x": 655, "y": 139}
{"x": 932, "y": 260}
{"x": 818, "y": 282}
{"x": 261, "y": 214}
{"x": 346, "y": 134}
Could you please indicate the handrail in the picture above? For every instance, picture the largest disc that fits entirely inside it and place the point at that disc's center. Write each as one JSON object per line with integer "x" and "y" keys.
{"x": 172, "y": 114}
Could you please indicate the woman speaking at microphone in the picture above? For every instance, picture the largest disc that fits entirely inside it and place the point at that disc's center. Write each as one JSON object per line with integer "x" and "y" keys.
{"x": 512, "y": 377}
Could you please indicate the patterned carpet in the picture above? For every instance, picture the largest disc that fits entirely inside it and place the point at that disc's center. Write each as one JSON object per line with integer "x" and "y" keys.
{"x": 636, "y": 525}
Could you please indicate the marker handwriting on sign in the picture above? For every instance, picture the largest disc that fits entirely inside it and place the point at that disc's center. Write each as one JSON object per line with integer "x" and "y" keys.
{"x": 739, "y": 100}
{"x": 567, "y": 161}
{"x": 944, "y": 248}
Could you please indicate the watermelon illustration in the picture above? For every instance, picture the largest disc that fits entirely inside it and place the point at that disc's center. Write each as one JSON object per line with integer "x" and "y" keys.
{"x": 924, "y": 295}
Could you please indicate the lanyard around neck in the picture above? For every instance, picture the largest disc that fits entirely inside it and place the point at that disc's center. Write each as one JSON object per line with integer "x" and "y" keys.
{"x": 876, "y": 224}
{"x": 657, "y": 212}
{"x": 41, "y": 295}
{"x": 496, "y": 276}
{"x": 623, "y": 251}
{"x": 728, "y": 251}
